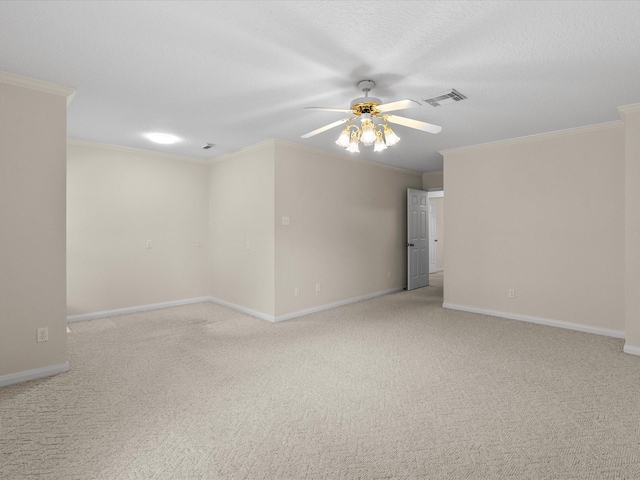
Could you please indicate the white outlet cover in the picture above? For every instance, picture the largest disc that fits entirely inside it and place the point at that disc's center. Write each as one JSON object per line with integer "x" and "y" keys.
{"x": 42, "y": 335}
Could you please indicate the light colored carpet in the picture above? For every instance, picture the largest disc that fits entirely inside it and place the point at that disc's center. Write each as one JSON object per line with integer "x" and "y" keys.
{"x": 394, "y": 387}
{"x": 436, "y": 279}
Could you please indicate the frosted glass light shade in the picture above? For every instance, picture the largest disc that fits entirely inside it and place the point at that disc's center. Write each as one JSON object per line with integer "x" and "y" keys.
{"x": 379, "y": 145}
{"x": 343, "y": 139}
{"x": 390, "y": 137}
{"x": 368, "y": 133}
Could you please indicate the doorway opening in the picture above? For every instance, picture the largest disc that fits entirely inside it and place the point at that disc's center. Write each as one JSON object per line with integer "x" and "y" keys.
{"x": 436, "y": 237}
{"x": 425, "y": 238}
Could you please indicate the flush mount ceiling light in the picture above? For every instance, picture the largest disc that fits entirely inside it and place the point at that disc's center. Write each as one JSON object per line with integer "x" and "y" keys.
{"x": 163, "y": 138}
{"x": 373, "y": 129}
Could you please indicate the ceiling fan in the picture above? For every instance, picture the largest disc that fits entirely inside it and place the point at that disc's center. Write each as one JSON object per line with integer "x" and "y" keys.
{"x": 372, "y": 111}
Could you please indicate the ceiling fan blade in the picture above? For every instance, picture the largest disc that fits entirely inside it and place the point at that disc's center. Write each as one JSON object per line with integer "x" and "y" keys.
{"x": 343, "y": 110}
{"x": 409, "y": 122}
{"x": 399, "y": 105}
{"x": 326, "y": 127}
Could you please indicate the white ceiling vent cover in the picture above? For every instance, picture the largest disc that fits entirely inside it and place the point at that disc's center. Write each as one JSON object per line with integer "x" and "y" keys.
{"x": 449, "y": 96}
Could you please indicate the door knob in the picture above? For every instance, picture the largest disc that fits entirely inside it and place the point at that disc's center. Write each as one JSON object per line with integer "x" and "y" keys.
{"x": 410, "y": 245}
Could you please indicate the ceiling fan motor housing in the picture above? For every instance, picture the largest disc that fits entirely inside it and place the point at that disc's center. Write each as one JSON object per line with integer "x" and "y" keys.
{"x": 369, "y": 108}
{"x": 364, "y": 103}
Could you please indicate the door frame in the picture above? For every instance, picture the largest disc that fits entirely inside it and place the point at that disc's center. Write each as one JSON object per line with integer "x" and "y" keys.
{"x": 418, "y": 252}
{"x": 431, "y": 194}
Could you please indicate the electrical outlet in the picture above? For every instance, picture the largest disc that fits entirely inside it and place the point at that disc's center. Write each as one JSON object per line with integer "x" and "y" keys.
{"x": 512, "y": 294}
{"x": 296, "y": 292}
{"x": 149, "y": 244}
{"x": 286, "y": 221}
{"x": 199, "y": 243}
{"x": 42, "y": 334}
{"x": 317, "y": 287}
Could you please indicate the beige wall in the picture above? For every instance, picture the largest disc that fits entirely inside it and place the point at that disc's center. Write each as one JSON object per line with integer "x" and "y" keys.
{"x": 118, "y": 199}
{"x": 432, "y": 180}
{"x": 544, "y": 216}
{"x": 32, "y": 228}
{"x": 631, "y": 117}
{"x": 343, "y": 213}
{"x": 347, "y": 228}
{"x": 440, "y": 233}
{"x": 241, "y": 229}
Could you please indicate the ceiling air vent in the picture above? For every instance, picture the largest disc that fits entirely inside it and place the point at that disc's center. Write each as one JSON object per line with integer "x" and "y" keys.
{"x": 449, "y": 96}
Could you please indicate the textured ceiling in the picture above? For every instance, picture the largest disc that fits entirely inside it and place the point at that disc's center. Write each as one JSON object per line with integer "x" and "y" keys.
{"x": 236, "y": 73}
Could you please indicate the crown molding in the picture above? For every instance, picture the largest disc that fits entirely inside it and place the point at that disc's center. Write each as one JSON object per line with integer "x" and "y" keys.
{"x": 274, "y": 142}
{"x": 139, "y": 151}
{"x": 347, "y": 157}
{"x": 38, "y": 85}
{"x": 628, "y": 109}
{"x": 540, "y": 136}
{"x": 240, "y": 152}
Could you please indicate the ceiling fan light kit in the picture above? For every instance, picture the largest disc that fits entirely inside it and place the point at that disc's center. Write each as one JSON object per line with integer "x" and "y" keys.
{"x": 370, "y": 109}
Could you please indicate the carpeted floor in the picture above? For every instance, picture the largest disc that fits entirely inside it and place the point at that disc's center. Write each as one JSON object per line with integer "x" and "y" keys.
{"x": 394, "y": 387}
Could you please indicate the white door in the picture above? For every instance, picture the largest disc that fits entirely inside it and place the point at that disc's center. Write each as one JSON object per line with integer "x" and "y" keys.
{"x": 417, "y": 239}
{"x": 433, "y": 225}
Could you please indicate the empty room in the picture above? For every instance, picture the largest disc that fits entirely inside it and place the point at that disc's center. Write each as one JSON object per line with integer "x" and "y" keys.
{"x": 319, "y": 240}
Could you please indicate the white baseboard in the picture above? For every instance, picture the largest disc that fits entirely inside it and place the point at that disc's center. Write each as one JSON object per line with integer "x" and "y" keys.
{"x": 33, "y": 374}
{"x": 320, "y": 308}
{"x": 300, "y": 313}
{"x": 631, "y": 349}
{"x": 542, "y": 321}
{"x": 242, "y": 309}
{"x": 141, "y": 308}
